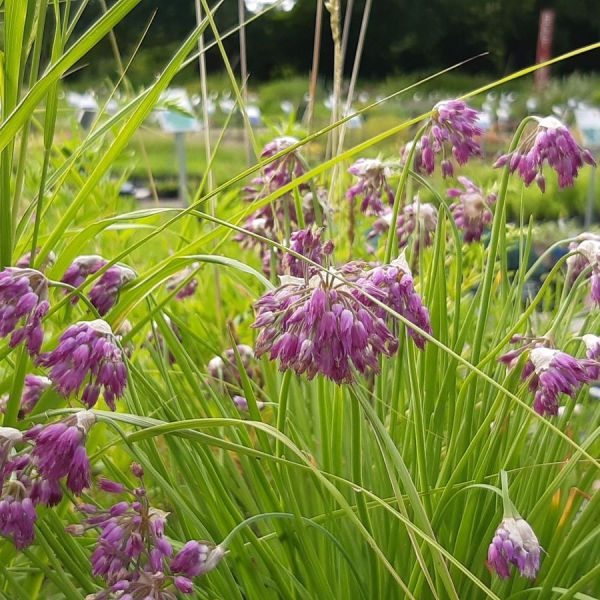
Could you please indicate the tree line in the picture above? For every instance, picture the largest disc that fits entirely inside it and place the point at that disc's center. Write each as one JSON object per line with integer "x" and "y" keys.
{"x": 403, "y": 36}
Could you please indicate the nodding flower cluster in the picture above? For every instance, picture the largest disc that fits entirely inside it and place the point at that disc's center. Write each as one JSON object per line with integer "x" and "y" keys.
{"x": 372, "y": 185}
{"x": 551, "y": 372}
{"x": 32, "y": 466}
{"x": 325, "y": 325}
{"x": 132, "y": 554}
{"x": 270, "y": 221}
{"x": 514, "y": 543}
{"x": 551, "y": 142}
{"x": 105, "y": 291}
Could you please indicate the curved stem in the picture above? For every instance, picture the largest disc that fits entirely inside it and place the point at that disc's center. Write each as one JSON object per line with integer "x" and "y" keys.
{"x": 282, "y": 409}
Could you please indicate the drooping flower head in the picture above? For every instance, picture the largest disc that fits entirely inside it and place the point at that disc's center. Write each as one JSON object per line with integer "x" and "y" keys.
{"x": 196, "y": 558}
{"x": 589, "y": 251}
{"x": 87, "y": 353}
{"x": 592, "y": 344}
{"x": 23, "y": 305}
{"x": 556, "y": 372}
{"x": 25, "y": 260}
{"x": 452, "y": 132}
{"x": 225, "y": 367}
{"x": 9, "y": 437}
{"x": 34, "y": 387}
{"x": 318, "y": 326}
{"x": 282, "y": 170}
{"x": 80, "y": 269}
{"x": 59, "y": 450}
{"x": 106, "y": 289}
{"x": 514, "y": 543}
{"x": 372, "y": 185}
{"x": 177, "y": 280}
{"x": 551, "y": 142}
{"x": 419, "y": 221}
{"x": 472, "y": 210}
{"x": 393, "y": 286}
{"x": 307, "y": 243}
{"x": 131, "y": 540}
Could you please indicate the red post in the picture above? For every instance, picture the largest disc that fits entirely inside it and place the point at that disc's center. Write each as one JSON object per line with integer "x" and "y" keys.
{"x": 544, "y": 47}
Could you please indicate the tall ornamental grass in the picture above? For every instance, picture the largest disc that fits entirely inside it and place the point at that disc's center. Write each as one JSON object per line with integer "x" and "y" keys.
{"x": 309, "y": 383}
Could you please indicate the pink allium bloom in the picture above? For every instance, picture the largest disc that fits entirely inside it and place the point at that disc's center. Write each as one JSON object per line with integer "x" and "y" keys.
{"x": 589, "y": 251}
{"x": 592, "y": 344}
{"x": 87, "y": 353}
{"x": 516, "y": 543}
{"x": 452, "y": 132}
{"x": 59, "y": 451}
{"x": 472, "y": 211}
{"x": 283, "y": 169}
{"x": 196, "y": 559}
{"x": 23, "y": 305}
{"x": 9, "y": 436}
{"x": 17, "y": 518}
{"x": 418, "y": 220}
{"x": 307, "y": 243}
{"x": 24, "y": 261}
{"x": 393, "y": 286}
{"x": 176, "y": 280}
{"x": 35, "y": 386}
{"x": 555, "y": 372}
{"x": 80, "y": 269}
{"x": 132, "y": 539}
{"x": 318, "y": 326}
{"x": 242, "y": 404}
{"x": 551, "y": 142}
{"x": 372, "y": 185}
{"x": 105, "y": 291}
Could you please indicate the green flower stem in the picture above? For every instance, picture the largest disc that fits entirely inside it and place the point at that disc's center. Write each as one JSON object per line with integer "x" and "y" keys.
{"x": 282, "y": 409}
{"x": 391, "y": 238}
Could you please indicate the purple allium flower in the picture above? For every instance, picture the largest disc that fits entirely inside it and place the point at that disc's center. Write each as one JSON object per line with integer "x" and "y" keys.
{"x": 550, "y": 142}
{"x": 589, "y": 251}
{"x": 556, "y": 372}
{"x": 242, "y": 404}
{"x": 24, "y": 261}
{"x": 17, "y": 517}
{"x": 9, "y": 436}
{"x": 80, "y": 269}
{"x": 393, "y": 286}
{"x": 143, "y": 585}
{"x": 35, "y": 386}
{"x": 318, "y": 326}
{"x": 453, "y": 127}
{"x": 177, "y": 280}
{"x": 87, "y": 352}
{"x": 132, "y": 538}
{"x": 196, "y": 558}
{"x": 105, "y": 291}
{"x": 516, "y": 543}
{"x": 471, "y": 213}
{"x": 225, "y": 368}
{"x": 418, "y": 219}
{"x": 282, "y": 170}
{"x": 307, "y": 243}
{"x": 592, "y": 344}
{"x": 59, "y": 451}
{"x": 372, "y": 185}
{"x": 23, "y": 305}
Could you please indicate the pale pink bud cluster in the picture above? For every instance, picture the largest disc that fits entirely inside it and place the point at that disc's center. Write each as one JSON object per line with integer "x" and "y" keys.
{"x": 33, "y": 389}
{"x": 25, "y": 260}
{"x": 417, "y": 221}
{"x": 550, "y": 143}
{"x": 472, "y": 210}
{"x": 372, "y": 185}
{"x": 176, "y": 282}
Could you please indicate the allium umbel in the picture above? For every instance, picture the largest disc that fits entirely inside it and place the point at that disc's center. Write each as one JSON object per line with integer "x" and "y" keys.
{"x": 515, "y": 543}
{"x": 556, "y": 372}
{"x": 34, "y": 387}
{"x": 452, "y": 132}
{"x": 472, "y": 210}
{"x": 307, "y": 243}
{"x": 550, "y": 142}
{"x": 80, "y": 269}
{"x": 106, "y": 289}
{"x": 418, "y": 221}
{"x": 589, "y": 251}
{"x": 318, "y": 326}
{"x": 196, "y": 558}
{"x": 372, "y": 185}
{"x": 87, "y": 354}
{"x": 23, "y": 305}
{"x": 59, "y": 450}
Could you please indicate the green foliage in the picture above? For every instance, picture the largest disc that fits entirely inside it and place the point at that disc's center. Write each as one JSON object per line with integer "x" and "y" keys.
{"x": 383, "y": 488}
